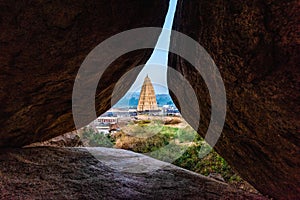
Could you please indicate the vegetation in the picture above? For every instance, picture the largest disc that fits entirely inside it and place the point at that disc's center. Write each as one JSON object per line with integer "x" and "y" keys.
{"x": 211, "y": 163}
{"x": 96, "y": 140}
{"x": 181, "y": 146}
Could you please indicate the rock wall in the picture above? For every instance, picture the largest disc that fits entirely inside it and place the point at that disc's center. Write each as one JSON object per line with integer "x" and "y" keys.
{"x": 255, "y": 45}
{"x": 42, "y": 45}
{"x": 73, "y": 173}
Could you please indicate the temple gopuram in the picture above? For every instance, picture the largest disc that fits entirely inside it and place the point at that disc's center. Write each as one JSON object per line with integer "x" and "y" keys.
{"x": 147, "y": 101}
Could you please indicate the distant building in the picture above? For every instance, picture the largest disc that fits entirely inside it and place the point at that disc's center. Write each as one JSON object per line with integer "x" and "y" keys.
{"x": 117, "y": 112}
{"x": 170, "y": 110}
{"x": 147, "y": 101}
{"x": 113, "y": 128}
{"x": 132, "y": 112}
{"x": 106, "y": 125}
{"x": 107, "y": 120}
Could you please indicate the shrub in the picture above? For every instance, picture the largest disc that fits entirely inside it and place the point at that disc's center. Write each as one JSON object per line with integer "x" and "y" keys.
{"x": 96, "y": 139}
{"x": 186, "y": 135}
{"x": 173, "y": 121}
{"x": 211, "y": 163}
{"x": 141, "y": 145}
{"x": 151, "y": 137}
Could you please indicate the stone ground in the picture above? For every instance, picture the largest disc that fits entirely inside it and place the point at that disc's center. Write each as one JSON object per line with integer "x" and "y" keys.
{"x": 73, "y": 173}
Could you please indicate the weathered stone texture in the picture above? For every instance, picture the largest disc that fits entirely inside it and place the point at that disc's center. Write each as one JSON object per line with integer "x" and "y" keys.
{"x": 73, "y": 173}
{"x": 42, "y": 45}
{"x": 255, "y": 45}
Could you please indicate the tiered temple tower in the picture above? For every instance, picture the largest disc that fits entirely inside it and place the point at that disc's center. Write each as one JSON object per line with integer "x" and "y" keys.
{"x": 147, "y": 101}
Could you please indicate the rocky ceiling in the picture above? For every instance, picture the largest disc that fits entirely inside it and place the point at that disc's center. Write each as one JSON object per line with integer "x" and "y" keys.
{"x": 253, "y": 43}
{"x": 42, "y": 47}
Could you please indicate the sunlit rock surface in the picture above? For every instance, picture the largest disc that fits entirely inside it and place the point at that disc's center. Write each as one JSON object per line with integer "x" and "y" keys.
{"x": 73, "y": 173}
{"x": 255, "y": 45}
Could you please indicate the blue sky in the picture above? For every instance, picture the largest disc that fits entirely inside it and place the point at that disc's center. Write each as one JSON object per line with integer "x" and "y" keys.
{"x": 156, "y": 66}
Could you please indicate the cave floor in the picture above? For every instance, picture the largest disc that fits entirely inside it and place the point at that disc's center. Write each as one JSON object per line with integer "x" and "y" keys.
{"x": 102, "y": 173}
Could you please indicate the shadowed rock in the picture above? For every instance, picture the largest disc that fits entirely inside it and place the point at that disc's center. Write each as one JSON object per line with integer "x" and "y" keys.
{"x": 73, "y": 173}
{"x": 42, "y": 46}
{"x": 255, "y": 46}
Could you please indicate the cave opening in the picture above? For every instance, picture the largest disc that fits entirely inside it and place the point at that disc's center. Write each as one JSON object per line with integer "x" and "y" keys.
{"x": 44, "y": 43}
{"x": 163, "y": 135}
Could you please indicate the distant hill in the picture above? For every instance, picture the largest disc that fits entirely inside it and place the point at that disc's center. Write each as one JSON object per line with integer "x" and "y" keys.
{"x": 131, "y": 100}
{"x": 164, "y": 99}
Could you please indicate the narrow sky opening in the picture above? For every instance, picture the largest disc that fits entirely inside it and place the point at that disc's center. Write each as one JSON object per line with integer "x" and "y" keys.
{"x": 156, "y": 66}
